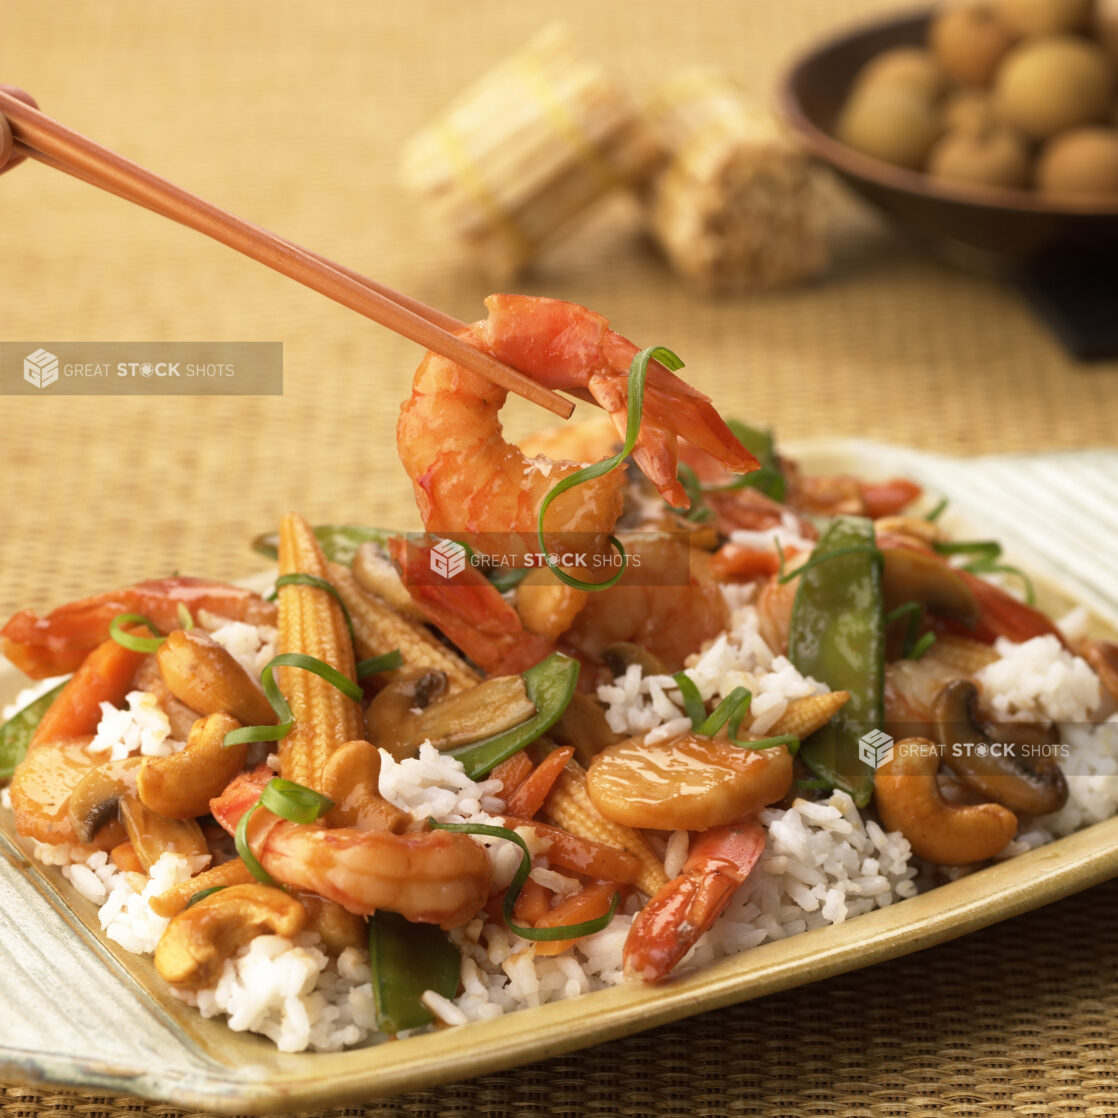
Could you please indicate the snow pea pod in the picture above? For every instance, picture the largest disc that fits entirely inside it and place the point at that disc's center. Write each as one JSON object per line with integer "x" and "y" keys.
{"x": 408, "y": 959}
{"x": 339, "y": 542}
{"x": 16, "y": 733}
{"x": 550, "y": 685}
{"x": 837, "y": 636}
{"x": 759, "y": 442}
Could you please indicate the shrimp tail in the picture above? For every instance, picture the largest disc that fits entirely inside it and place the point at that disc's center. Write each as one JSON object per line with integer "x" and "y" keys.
{"x": 469, "y": 610}
{"x": 568, "y": 347}
{"x": 59, "y": 642}
{"x": 682, "y": 910}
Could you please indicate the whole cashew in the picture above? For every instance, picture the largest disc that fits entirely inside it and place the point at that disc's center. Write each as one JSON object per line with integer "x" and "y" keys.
{"x": 196, "y": 943}
{"x": 205, "y": 676}
{"x": 350, "y": 779}
{"x": 181, "y": 786}
{"x": 908, "y": 799}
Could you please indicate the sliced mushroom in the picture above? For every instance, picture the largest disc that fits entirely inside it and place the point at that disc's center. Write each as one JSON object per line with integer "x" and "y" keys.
{"x": 620, "y": 656}
{"x": 1032, "y": 786}
{"x": 41, "y": 787}
{"x": 1103, "y": 658}
{"x": 108, "y": 792}
{"x": 181, "y": 786}
{"x": 377, "y": 574}
{"x": 205, "y": 676}
{"x": 152, "y": 834}
{"x": 407, "y": 713}
{"x": 922, "y": 576}
{"x": 196, "y": 943}
{"x": 96, "y": 797}
{"x": 583, "y": 725}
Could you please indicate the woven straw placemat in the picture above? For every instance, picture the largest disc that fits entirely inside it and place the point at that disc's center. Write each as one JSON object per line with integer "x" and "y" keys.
{"x": 293, "y": 115}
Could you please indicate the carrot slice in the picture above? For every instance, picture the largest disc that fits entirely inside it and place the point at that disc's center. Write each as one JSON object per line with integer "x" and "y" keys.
{"x": 511, "y": 772}
{"x": 571, "y": 852}
{"x": 533, "y": 904}
{"x": 593, "y": 901}
{"x": 103, "y": 677}
{"x": 124, "y": 858}
{"x": 533, "y": 790}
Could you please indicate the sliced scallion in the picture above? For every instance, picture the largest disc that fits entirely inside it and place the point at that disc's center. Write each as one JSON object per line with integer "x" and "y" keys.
{"x": 699, "y": 511}
{"x": 387, "y": 662}
{"x": 293, "y": 802}
{"x": 693, "y": 703}
{"x": 984, "y": 551}
{"x": 729, "y": 713}
{"x": 638, "y": 372}
{"x": 285, "y": 719}
{"x": 240, "y": 840}
{"x": 937, "y": 512}
{"x": 990, "y": 567}
{"x": 202, "y": 894}
{"x": 298, "y": 578}
{"x": 130, "y": 640}
{"x": 769, "y": 479}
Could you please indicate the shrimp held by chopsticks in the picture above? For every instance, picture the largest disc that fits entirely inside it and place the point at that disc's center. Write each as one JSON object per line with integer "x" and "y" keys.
{"x": 469, "y": 479}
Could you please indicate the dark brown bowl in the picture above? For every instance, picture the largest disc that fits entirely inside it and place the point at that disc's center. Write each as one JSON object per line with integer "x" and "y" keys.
{"x": 1005, "y": 231}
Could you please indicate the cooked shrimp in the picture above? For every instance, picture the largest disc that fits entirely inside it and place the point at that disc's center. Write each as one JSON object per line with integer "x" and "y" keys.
{"x": 668, "y": 926}
{"x": 468, "y": 479}
{"x": 668, "y": 603}
{"x": 434, "y": 877}
{"x": 59, "y": 642}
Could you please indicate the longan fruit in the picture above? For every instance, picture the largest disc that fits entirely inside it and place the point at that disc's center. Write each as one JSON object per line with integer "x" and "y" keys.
{"x": 968, "y": 110}
{"x": 1047, "y": 85}
{"x": 1044, "y": 17}
{"x": 970, "y": 40}
{"x": 891, "y": 123}
{"x": 1104, "y": 26}
{"x": 914, "y": 68}
{"x": 1082, "y": 163}
{"x": 995, "y": 156}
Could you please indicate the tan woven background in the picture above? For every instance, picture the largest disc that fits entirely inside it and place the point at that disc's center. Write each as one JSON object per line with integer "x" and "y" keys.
{"x": 293, "y": 115}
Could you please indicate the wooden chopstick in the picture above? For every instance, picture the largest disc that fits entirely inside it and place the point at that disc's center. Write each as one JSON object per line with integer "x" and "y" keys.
{"x": 50, "y": 142}
{"x": 431, "y": 314}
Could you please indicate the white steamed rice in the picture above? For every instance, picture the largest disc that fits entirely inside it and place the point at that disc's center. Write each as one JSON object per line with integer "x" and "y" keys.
{"x": 824, "y": 863}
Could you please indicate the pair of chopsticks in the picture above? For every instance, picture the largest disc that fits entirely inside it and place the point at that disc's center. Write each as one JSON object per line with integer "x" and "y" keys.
{"x": 39, "y": 137}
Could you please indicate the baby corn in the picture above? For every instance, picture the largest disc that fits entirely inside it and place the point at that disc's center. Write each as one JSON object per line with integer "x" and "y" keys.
{"x": 568, "y": 806}
{"x": 312, "y": 622}
{"x": 378, "y": 628}
{"x": 805, "y": 716}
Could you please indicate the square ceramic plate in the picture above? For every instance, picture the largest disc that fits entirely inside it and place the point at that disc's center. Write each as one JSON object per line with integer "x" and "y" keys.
{"x": 79, "y": 1011}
